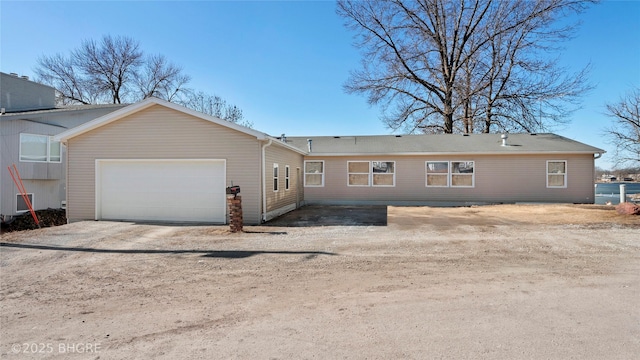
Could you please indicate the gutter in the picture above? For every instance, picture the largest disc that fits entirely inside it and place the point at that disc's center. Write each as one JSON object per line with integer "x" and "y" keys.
{"x": 264, "y": 180}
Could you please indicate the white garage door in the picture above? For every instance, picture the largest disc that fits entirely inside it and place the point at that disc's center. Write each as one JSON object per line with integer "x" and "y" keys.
{"x": 161, "y": 190}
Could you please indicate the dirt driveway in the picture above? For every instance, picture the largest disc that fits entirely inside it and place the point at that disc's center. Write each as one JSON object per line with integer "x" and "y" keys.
{"x": 498, "y": 282}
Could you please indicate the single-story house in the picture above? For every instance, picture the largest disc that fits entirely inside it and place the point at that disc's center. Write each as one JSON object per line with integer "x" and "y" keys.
{"x": 29, "y": 118}
{"x": 158, "y": 161}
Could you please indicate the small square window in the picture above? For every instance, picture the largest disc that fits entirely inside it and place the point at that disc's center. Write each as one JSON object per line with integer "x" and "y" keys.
{"x": 21, "y": 204}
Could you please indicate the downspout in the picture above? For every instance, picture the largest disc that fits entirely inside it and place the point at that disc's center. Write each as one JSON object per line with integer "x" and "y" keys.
{"x": 597, "y": 156}
{"x": 264, "y": 180}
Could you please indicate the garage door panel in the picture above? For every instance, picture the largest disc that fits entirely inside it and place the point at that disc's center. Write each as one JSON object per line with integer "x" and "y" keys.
{"x": 162, "y": 190}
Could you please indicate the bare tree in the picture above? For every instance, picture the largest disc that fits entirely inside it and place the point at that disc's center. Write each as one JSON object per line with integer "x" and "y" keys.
{"x": 440, "y": 66}
{"x": 624, "y": 133}
{"x": 159, "y": 78}
{"x": 113, "y": 70}
{"x": 214, "y": 105}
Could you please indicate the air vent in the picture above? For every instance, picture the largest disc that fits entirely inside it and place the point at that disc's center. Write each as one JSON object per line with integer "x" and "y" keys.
{"x": 533, "y": 134}
{"x": 398, "y": 135}
{"x": 465, "y": 134}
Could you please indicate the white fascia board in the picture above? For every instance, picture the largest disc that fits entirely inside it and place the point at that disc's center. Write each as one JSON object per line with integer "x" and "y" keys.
{"x": 278, "y": 142}
{"x": 131, "y": 109}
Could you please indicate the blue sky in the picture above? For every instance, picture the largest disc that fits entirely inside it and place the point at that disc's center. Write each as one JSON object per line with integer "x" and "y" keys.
{"x": 284, "y": 62}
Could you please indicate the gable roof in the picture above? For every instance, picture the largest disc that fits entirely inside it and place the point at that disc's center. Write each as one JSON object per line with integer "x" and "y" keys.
{"x": 440, "y": 144}
{"x": 149, "y": 102}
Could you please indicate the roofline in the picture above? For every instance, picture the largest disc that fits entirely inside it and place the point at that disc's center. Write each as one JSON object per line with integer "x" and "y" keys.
{"x": 147, "y": 103}
{"x": 279, "y": 142}
{"x": 457, "y": 153}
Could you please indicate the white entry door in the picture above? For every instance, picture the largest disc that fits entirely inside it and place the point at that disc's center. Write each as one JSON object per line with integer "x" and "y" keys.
{"x": 161, "y": 190}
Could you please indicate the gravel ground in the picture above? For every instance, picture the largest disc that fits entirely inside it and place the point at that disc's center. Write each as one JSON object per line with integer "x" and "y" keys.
{"x": 495, "y": 282}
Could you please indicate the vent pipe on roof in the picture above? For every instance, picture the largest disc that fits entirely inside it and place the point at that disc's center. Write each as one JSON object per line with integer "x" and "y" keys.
{"x": 309, "y": 144}
{"x": 504, "y": 139}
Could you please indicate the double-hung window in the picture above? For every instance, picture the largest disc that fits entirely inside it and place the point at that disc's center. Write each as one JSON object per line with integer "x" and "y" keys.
{"x": 276, "y": 175}
{"x": 358, "y": 173}
{"x": 437, "y": 173}
{"x": 314, "y": 173}
{"x": 287, "y": 177}
{"x": 39, "y": 148}
{"x": 556, "y": 173}
{"x": 450, "y": 173}
{"x": 371, "y": 173}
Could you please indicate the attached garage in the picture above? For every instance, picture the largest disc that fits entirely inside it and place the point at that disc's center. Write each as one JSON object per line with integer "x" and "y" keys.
{"x": 157, "y": 161}
{"x": 161, "y": 190}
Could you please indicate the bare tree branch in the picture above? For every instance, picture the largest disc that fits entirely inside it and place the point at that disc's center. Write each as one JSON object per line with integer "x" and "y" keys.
{"x": 624, "y": 133}
{"x": 479, "y": 63}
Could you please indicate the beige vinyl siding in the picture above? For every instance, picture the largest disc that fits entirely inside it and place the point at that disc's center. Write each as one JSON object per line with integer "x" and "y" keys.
{"x": 162, "y": 133}
{"x": 505, "y": 178}
{"x": 275, "y": 154}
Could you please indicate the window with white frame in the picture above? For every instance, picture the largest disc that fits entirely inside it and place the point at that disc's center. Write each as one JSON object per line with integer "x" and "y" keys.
{"x": 39, "y": 148}
{"x": 371, "y": 173}
{"x": 462, "y": 173}
{"x": 287, "y": 177}
{"x": 314, "y": 173}
{"x": 21, "y": 205}
{"x": 358, "y": 173}
{"x": 556, "y": 173}
{"x": 276, "y": 173}
{"x": 384, "y": 173}
{"x": 437, "y": 173}
{"x": 450, "y": 173}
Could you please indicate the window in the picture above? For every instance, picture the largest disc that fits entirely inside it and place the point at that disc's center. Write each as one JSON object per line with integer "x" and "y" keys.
{"x": 371, "y": 173}
{"x": 556, "y": 174}
{"x": 276, "y": 171}
{"x": 287, "y": 176}
{"x": 437, "y": 173}
{"x": 358, "y": 173}
{"x": 462, "y": 173}
{"x": 450, "y": 173}
{"x": 21, "y": 205}
{"x": 39, "y": 148}
{"x": 383, "y": 173}
{"x": 313, "y": 173}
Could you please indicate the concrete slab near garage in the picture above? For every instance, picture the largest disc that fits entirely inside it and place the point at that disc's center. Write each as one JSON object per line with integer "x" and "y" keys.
{"x": 333, "y": 215}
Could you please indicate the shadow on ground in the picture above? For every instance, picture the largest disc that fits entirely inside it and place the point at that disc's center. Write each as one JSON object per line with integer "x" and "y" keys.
{"x": 227, "y": 254}
{"x": 339, "y": 215}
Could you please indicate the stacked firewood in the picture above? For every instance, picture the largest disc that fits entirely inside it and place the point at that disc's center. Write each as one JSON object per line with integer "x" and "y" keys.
{"x": 47, "y": 218}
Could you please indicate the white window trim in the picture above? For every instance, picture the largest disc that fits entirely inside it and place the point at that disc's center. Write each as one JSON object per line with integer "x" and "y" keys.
{"x": 287, "y": 177}
{"x": 32, "y": 199}
{"x": 368, "y": 173}
{"x": 48, "y": 156}
{"x": 450, "y": 174}
{"x": 321, "y": 173}
{"x": 566, "y": 171}
{"x": 276, "y": 177}
{"x": 447, "y": 175}
{"x": 394, "y": 173}
{"x": 473, "y": 174}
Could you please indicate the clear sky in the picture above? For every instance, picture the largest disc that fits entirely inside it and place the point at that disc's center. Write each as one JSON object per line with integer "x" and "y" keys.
{"x": 284, "y": 62}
